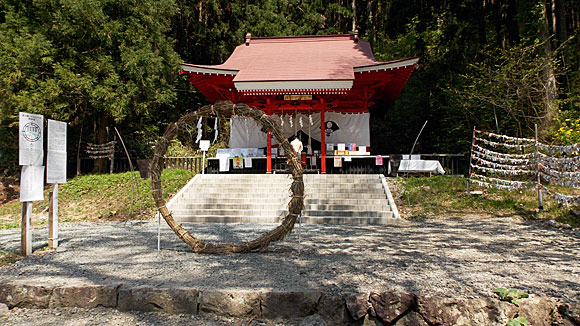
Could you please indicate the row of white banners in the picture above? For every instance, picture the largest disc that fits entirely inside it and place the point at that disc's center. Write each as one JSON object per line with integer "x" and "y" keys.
{"x": 562, "y": 171}
{"x": 31, "y": 155}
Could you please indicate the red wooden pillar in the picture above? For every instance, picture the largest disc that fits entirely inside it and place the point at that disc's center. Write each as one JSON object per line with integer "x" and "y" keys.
{"x": 269, "y": 152}
{"x": 322, "y": 143}
{"x": 268, "y": 141}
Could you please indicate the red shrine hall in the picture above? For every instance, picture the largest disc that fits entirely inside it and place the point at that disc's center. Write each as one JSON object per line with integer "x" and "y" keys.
{"x": 320, "y": 88}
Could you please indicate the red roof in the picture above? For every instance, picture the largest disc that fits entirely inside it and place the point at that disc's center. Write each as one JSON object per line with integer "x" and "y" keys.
{"x": 329, "y": 64}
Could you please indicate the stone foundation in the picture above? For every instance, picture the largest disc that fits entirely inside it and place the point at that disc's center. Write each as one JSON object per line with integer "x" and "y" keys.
{"x": 374, "y": 308}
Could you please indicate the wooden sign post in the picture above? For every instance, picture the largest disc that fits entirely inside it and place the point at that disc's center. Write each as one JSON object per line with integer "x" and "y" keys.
{"x": 31, "y": 158}
{"x": 53, "y": 218}
{"x": 55, "y": 174}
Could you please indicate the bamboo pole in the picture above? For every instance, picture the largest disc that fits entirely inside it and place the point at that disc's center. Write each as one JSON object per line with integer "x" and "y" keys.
{"x": 540, "y": 199}
{"x": 469, "y": 161}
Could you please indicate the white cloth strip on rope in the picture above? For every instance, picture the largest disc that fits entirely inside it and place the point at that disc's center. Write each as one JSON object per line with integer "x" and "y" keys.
{"x": 561, "y": 198}
{"x": 515, "y": 184}
{"x": 504, "y": 155}
{"x": 566, "y": 149}
{"x": 493, "y": 185}
{"x": 559, "y": 160}
{"x": 560, "y": 182}
{"x": 503, "y": 160}
{"x": 502, "y": 171}
{"x": 505, "y": 137}
{"x": 495, "y": 144}
{"x": 494, "y": 165}
{"x": 559, "y": 174}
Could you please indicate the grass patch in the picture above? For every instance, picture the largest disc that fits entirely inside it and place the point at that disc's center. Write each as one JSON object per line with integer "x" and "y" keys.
{"x": 447, "y": 196}
{"x": 8, "y": 258}
{"x": 99, "y": 197}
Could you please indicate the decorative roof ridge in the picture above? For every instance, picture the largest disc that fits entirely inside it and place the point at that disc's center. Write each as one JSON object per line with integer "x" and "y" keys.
{"x": 301, "y": 38}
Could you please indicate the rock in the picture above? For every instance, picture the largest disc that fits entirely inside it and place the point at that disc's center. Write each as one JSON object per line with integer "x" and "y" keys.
{"x": 84, "y": 296}
{"x": 357, "y": 305}
{"x": 412, "y": 318}
{"x": 333, "y": 309}
{"x": 230, "y": 303}
{"x": 287, "y": 305}
{"x": 371, "y": 321}
{"x": 173, "y": 301}
{"x": 4, "y": 309}
{"x": 538, "y": 311}
{"x": 452, "y": 311}
{"x": 313, "y": 320}
{"x": 389, "y": 306}
{"x": 24, "y": 296}
{"x": 574, "y": 312}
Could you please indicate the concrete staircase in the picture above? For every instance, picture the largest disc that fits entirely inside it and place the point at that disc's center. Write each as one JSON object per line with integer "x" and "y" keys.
{"x": 263, "y": 198}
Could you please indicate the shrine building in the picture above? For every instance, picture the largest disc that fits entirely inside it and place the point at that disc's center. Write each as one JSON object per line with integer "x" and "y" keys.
{"x": 319, "y": 87}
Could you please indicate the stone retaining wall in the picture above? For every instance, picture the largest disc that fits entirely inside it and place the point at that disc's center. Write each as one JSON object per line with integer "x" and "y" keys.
{"x": 374, "y": 308}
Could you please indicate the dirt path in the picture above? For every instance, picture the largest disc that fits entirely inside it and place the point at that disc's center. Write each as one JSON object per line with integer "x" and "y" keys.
{"x": 450, "y": 258}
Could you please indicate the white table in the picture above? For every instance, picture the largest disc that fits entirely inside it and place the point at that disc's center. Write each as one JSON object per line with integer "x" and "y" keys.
{"x": 421, "y": 166}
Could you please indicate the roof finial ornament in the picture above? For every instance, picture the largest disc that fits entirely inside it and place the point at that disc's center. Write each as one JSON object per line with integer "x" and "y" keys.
{"x": 355, "y": 36}
{"x": 248, "y": 38}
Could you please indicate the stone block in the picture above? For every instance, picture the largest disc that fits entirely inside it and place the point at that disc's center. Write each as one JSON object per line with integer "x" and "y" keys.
{"x": 24, "y": 295}
{"x": 85, "y": 296}
{"x": 230, "y": 303}
{"x": 538, "y": 311}
{"x": 458, "y": 311}
{"x": 357, "y": 304}
{"x": 287, "y": 305}
{"x": 333, "y": 309}
{"x": 173, "y": 301}
{"x": 389, "y": 306}
{"x": 412, "y": 318}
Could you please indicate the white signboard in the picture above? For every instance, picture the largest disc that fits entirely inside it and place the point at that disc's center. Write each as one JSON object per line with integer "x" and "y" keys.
{"x": 56, "y": 157}
{"x": 204, "y": 145}
{"x": 32, "y": 183}
{"x": 31, "y": 142}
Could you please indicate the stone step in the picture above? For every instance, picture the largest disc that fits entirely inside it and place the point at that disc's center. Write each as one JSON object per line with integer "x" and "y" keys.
{"x": 235, "y": 195}
{"x": 309, "y": 190}
{"x": 342, "y": 201}
{"x": 227, "y": 219}
{"x": 273, "y": 219}
{"x": 329, "y": 213}
{"x": 228, "y": 205}
{"x": 339, "y": 207}
{"x": 349, "y": 220}
{"x": 345, "y": 195}
{"x": 229, "y": 212}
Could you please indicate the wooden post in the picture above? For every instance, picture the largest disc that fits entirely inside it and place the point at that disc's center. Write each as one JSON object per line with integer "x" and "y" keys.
{"x": 322, "y": 142}
{"x": 53, "y": 218}
{"x": 25, "y": 235}
{"x": 113, "y": 155}
{"x": 269, "y": 152}
{"x": 540, "y": 199}
{"x": 469, "y": 161}
{"x": 79, "y": 153}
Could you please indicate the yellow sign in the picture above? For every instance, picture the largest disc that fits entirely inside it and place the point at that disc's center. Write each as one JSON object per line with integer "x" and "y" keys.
{"x": 299, "y": 97}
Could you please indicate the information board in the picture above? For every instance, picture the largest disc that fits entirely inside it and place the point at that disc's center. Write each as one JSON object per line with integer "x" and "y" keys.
{"x": 30, "y": 139}
{"x": 56, "y": 156}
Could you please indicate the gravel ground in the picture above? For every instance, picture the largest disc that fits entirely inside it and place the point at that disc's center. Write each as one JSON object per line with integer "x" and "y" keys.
{"x": 111, "y": 317}
{"x": 446, "y": 257}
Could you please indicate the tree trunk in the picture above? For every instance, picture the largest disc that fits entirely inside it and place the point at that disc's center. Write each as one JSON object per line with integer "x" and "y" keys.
{"x": 101, "y": 136}
{"x": 551, "y": 87}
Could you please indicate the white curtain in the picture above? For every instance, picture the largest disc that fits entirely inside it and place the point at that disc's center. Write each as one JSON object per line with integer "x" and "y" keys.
{"x": 341, "y": 128}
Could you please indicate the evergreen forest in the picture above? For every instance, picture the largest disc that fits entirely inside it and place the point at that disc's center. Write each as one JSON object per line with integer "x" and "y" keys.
{"x": 501, "y": 65}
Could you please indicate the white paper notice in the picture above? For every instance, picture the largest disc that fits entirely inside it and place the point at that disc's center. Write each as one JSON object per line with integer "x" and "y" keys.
{"x": 56, "y": 158}
{"x": 32, "y": 183}
{"x": 30, "y": 140}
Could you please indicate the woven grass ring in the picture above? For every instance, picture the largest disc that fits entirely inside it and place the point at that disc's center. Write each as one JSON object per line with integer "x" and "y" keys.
{"x": 226, "y": 109}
